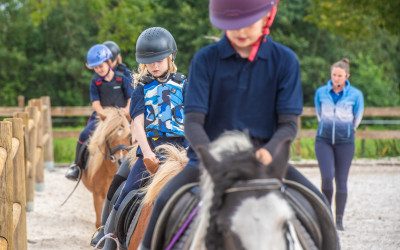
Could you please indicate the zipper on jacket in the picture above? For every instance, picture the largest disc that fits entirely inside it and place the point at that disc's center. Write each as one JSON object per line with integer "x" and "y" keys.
{"x": 333, "y": 125}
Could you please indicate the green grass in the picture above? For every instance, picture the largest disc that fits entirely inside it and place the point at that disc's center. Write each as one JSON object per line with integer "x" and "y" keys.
{"x": 64, "y": 149}
{"x": 368, "y": 149}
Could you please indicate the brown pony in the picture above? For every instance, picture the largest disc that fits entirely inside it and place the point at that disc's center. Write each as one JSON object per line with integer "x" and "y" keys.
{"x": 108, "y": 144}
{"x": 175, "y": 161}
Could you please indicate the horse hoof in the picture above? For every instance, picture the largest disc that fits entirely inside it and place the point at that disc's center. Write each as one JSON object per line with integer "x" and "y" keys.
{"x": 96, "y": 238}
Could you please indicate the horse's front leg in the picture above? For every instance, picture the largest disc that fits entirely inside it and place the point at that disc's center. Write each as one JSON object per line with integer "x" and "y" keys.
{"x": 98, "y": 199}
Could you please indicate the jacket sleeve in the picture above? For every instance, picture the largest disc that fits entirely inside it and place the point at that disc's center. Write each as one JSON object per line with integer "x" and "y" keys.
{"x": 317, "y": 104}
{"x": 287, "y": 130}
{"x": 358, "y": 110}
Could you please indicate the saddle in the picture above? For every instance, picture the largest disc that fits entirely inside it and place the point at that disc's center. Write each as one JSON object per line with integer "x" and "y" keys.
{"x": 127, "y": 215}
{"x": 314, "y": 228}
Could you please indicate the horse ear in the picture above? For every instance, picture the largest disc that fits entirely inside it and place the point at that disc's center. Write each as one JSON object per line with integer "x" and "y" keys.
{"x": 208, "y": 160}
{"x": 278, "y": 167}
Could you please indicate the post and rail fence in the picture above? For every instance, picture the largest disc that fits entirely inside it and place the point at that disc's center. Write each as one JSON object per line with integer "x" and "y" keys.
{"x": 71, "y": 111}
{"x": 26, "y": 146}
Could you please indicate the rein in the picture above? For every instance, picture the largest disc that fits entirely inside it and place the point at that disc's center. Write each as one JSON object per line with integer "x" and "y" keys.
{"x": 255, "y": 185}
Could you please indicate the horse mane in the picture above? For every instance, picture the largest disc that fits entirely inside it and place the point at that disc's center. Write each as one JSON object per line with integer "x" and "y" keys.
{"x": 175, "y": 161}
{"x": 115, "y": 125}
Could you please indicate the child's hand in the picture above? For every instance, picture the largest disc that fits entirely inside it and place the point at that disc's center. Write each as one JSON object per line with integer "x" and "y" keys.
{"x": 102, "y": 116}
{"x": 150, "y": 161}
{"x": 263, "y": 156}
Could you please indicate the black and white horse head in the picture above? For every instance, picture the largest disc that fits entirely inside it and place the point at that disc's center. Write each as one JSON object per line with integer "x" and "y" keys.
{"x": 239, "y": 220}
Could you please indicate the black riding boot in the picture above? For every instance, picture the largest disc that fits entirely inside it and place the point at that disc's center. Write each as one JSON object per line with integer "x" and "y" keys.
{"x": 339, "y": 222}
{"x": 81, "y": 156}
{"x": 100, "y": 233}
{"x": 74, "y": 169}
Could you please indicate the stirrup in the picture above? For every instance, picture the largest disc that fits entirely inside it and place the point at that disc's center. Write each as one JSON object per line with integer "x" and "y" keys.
{"x": 108, "y": 236}
{"x": 95, "y": 234}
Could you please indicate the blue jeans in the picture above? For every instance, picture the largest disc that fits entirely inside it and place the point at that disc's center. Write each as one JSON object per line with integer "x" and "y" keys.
{"x": 88, "y": 130}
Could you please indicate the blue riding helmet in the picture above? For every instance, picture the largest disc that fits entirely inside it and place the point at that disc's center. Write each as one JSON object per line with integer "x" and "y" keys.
{"x": 98, "y": 54}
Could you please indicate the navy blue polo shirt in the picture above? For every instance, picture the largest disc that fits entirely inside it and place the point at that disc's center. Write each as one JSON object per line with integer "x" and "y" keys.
{"x": 115, "y": 93}
{"x": 236, "y": 94}
{"x": 124, "y": 70}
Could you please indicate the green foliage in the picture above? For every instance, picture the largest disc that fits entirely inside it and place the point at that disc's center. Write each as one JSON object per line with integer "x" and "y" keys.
{"x": 43, "y": 44}
{"x": 123, "y": 21}
{"x": 374, "y": 82}
{"x": 355, "y": 18}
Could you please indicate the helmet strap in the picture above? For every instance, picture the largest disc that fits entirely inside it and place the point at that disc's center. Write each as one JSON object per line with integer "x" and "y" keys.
{"x": 265, "y": 32}
{"x": 108, "y": 72}
{"x": 164, "y": 77}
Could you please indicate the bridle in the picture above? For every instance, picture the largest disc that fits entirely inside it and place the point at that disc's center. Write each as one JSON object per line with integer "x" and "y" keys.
{"x": 111, "y": 151}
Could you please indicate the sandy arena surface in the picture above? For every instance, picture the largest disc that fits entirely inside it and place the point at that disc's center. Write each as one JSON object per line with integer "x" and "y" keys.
{"x": 372, "y": 219}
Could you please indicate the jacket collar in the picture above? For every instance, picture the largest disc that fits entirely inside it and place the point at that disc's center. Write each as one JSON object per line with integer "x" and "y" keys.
{"x": 226, "y": 50}
{"x": 345, "y": 89}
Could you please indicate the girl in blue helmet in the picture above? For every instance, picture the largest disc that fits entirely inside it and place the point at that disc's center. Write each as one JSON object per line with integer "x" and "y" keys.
{"x": 258, "y": 80}
{"x": 156, "y": 110}
{"x": 107, "y": 89}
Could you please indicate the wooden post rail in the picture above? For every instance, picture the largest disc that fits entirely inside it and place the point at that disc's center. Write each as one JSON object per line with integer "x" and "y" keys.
{"x": 12, "y": 185}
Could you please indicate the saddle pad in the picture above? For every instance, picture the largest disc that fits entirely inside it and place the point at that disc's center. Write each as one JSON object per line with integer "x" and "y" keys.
{"x": 183, "y": 207}
{"x": 130, "y": 202}
{"x": 133, "y": 223}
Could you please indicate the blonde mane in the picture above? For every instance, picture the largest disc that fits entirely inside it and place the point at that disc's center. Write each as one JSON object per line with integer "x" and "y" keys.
{"x": 114, "y": 127}
{"x": 176, "y": 159}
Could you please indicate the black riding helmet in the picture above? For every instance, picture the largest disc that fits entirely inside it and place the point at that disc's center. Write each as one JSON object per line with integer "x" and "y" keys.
{"x": 155, "y": 44}
{"x": 115, "y": 50}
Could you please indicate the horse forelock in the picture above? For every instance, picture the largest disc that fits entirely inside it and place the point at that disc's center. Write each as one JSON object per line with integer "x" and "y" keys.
{"x": 115, "y": 126}
{"x": 259, "y": 223}
{"x": 230, "y": 143}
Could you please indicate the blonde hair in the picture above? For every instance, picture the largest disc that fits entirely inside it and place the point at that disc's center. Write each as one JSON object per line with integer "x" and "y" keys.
{"x": 142, "y": 71}
{"x": 343, "y": 64}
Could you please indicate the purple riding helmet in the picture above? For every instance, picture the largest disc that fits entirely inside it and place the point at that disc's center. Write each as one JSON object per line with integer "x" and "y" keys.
{"x": 236, "y": 14}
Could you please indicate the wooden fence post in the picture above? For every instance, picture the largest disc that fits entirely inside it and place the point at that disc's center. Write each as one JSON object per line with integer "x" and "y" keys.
{"x": 6, "y": 181}
{"x": 48, "y": 134}
{"x": 297, "y": 143}
{"x": 39, "y": 186}
{"x": 31, "y": 157}
{"x": 21, "y": 101}
{"x": 19, "y": 197}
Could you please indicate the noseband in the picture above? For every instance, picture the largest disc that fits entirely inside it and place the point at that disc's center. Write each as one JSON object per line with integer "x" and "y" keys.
{"x": 111, "y": 151}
